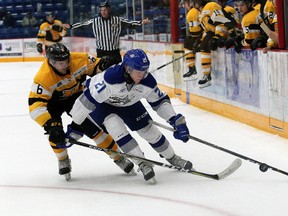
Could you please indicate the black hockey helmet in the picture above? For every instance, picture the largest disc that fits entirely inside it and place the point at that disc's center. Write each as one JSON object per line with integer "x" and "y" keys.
{"x": 245, "y": 1}
{"x": 104, "y": 4}
{"x": 49, "y": 13}
{"x": 201, "y": 3}
{"x": 57, "y": 52}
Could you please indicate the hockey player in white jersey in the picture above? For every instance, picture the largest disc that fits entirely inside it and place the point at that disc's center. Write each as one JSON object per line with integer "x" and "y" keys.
{"x": 112, "y": 99}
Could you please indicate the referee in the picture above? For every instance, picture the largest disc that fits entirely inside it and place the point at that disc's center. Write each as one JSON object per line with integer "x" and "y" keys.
{"x": 106, "y": 29}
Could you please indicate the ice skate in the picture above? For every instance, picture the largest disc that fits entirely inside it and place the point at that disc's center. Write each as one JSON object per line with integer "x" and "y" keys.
{"x": 179, "y": 162}
{"x": 191, "y": 74}
{"x": 205, "y": 81}
{"x": 65, "y": 168}
{"x": 126, "y": 165}
{"x": 148, "y": 172}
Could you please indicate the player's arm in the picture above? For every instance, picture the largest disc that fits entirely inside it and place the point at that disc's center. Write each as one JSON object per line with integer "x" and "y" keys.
{"x": 97, "y": 65}
{"x": 59, "y": 27}
{"x": 78, "y": 25}
{"x": 125, "y": 23}
{"x": 38, "y": 100}
{"x": 41, "y": 38}
{"x": 164, "y": 109}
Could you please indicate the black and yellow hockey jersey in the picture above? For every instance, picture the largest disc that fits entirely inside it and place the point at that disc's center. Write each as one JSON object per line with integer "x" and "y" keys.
{"x": 50, "y": 86}
{"x": 48, "y": 36}
{"x": 192, "y": 19}
{"x": 251, "y": 26}
{"x": 212, "y": 19}
{"x": 270, "y": 42}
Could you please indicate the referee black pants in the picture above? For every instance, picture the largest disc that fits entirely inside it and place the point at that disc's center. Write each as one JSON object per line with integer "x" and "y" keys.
{"x": 114, "y": 53}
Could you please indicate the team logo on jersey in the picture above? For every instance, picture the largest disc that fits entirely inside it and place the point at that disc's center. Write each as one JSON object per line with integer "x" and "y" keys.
{"x": 142, "y": 116}
{"x": 122, "y": 90}
{"x": 120, "y": 101}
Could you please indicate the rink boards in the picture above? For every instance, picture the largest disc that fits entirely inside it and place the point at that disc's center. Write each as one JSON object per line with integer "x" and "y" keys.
{"x": 249, "y": 87}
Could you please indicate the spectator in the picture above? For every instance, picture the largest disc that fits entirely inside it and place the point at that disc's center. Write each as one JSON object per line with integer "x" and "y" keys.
{"x": 50, "y": 32}
{"x": 3, "y": 13}
{"x": 106, "y": 29}
{"x": 29, "y": 20}
{"x": 273, "y": 35}
{"x": 8, "y": 20}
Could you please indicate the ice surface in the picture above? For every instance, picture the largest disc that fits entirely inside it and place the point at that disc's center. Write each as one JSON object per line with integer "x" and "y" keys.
{"x": 30, "y": 184}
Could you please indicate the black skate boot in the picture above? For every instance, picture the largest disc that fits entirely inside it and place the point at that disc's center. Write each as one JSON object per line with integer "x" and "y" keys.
{"x": 191, "y": 74}
{"x": 205, "y": 81}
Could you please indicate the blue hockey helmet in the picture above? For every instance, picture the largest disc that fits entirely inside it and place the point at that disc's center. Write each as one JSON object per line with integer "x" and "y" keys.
{"x": 137, "y": 60}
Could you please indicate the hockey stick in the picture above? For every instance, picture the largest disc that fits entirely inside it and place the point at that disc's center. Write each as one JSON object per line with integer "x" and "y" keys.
{"x": 176, "y": 59}
{"x": 226, "y": 172}
{"x": 262, "y": 166}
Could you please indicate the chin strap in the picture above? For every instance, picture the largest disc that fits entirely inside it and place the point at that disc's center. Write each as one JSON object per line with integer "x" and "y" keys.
{"x": 127, "y": 77}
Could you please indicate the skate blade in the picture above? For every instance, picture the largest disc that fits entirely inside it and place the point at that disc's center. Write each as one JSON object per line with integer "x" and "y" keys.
{"x": 191, "y": 78}
{"x": 152, "y": 181}
{"x": 132, "y": 173}
{"x": 67, "y": 176}
{"x": 205, "y": 85}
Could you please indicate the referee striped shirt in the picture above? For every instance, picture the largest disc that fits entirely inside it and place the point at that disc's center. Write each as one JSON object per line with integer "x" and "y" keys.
{"x": 107, "y": 31}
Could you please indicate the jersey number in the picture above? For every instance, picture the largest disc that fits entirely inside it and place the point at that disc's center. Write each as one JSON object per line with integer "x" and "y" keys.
{"x": 100, "y": 86}
{"x": 158, "y": 92}
{"x": 39, "y": 89}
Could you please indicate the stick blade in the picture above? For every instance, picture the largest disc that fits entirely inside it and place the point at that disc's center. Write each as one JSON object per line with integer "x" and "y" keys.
{"x": 231, "y": 169}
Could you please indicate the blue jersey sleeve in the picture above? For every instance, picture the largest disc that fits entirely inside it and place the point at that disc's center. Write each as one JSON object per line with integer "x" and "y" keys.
{"x": 115, "y": 74}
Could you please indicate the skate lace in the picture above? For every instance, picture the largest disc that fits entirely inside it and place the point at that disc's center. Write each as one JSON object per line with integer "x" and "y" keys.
{"x": 145, "y": 168}
{"x": 178, "y": 161}
{"x": 64, "y": 163}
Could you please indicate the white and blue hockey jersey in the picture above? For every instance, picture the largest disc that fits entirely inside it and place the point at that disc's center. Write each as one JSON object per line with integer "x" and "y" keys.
{"x": 112, "y": 88}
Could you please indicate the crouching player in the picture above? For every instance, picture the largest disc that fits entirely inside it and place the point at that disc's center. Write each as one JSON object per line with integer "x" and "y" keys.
{"x": 112, "y": 99}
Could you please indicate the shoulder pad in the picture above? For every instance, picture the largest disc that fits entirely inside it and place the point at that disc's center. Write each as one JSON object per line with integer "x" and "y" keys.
{"x": 115, "y": 74}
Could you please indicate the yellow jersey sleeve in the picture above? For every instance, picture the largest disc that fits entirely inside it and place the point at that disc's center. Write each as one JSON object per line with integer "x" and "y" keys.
{"x": 50, "y": 86}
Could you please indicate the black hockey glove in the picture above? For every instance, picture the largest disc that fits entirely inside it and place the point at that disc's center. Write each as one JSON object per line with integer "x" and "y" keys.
{"x": 56, "y": 133}
{"x": 39, "y": 48}
{"x": 221, "y": 42}
{"x": 213, "y": 43}
{"x": 205, "y": 43}
{"x": 107, "y": 61}
{"x": 259, "y": 42}
{"x": 179, "y": 124}
{"x": 238, "y": 43}
{"x": 229, "y": 42}
{"x": 196, "y": 45}
{"x": 57, "y": 28}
